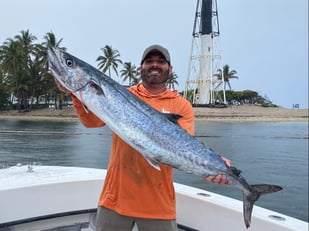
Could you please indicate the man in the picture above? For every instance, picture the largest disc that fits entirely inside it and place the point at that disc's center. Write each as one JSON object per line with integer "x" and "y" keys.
{"x": 134, "y": 192}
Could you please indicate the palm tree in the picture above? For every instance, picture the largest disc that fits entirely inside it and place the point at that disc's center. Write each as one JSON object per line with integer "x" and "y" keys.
{"x": 109, "y": 59}
{"x": 10, "y": 56}
{"x": 4, "y": 93}
{"x": 129, "y": 71}
{"x": 51, "y": 41}
{"x": 137, "y": 78}
{"x": 172, "y": 80}
{"x": 51, "y": 89}
{"x": 224, "y": 75}
{"x": 10, "y": 59}
{"x": 26, "y": 39}
{"x": 15, "y": 61}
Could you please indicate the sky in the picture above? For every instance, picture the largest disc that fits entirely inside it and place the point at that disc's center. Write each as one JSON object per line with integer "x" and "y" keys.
{"x": 265, "y": 41}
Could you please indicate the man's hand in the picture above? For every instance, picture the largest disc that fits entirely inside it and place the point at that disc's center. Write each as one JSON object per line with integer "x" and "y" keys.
{"x": 220, "y": 179}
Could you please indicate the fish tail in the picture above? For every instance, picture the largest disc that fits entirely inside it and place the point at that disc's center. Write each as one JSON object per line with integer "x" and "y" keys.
{"x": 250, "y": 197}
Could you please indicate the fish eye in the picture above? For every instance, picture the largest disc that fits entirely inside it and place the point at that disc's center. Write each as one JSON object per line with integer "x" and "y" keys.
{"x": 69, "y": 62}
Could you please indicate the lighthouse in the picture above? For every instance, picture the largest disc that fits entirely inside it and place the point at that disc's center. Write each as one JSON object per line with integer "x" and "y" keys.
{"x": 205, "y": 57}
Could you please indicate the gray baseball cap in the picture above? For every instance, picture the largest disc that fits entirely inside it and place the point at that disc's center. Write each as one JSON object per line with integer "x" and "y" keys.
{"x": 157, "y": 48}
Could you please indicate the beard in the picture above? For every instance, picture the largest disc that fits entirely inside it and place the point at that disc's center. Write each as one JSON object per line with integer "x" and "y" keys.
{"x": 159, "y": 78}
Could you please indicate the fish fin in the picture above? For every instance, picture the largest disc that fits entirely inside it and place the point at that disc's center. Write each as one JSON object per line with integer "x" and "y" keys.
{"x": 153, "y": 163}
{"x": 249, "y": 198}
{"x": 97, "y": 87}
{"x": 266, "y": 188}
{"x": 172, "y": 117}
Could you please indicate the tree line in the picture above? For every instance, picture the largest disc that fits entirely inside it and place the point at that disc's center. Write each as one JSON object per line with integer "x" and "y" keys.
{"x": 24, "y": 77}
{"x": 25, "y": 82}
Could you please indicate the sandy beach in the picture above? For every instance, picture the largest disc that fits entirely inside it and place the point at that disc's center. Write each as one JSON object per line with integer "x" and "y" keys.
{"x": 251, "y": 113}
{"x": 244, "y": 113}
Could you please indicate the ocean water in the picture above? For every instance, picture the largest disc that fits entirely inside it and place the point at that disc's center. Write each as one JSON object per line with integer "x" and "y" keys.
{"x": 275, "y": 153}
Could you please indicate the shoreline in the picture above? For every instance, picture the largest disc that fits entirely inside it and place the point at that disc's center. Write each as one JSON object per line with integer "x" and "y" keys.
{"x": 252, "y": 113}
{"x": 244, "y": 113}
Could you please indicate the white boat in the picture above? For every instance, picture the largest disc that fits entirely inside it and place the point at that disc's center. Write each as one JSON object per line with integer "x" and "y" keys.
{"x": 52, "y": 198}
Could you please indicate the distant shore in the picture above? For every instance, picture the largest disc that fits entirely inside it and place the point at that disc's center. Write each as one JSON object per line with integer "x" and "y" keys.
{"x": 244, "y": 113}
{"x": 252, "y": 113}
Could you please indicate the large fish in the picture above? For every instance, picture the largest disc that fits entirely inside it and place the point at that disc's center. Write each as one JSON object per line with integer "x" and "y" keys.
{"x": 155, "y": 135}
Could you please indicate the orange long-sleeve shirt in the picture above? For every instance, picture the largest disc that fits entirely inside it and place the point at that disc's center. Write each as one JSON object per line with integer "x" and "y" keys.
{"x": 132, "y": 187}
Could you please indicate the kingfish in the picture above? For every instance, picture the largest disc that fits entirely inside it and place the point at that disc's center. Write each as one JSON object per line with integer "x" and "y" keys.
{"x": 157, "y": 136}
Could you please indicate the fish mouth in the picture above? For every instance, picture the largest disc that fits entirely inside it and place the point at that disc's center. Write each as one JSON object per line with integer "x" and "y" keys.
{"x": 52, "y": 60}
{"x": 51, "y": 68}
{"x": 55, "y": 68}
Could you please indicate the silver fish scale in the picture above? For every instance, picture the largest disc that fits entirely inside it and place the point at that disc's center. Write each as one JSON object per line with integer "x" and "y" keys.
{"x": 167, "y": 144}
{"x": 145, "y": 129}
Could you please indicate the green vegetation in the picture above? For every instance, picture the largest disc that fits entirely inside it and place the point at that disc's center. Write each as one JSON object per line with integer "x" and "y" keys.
{"x": 24, "y": 76}
{"x": 246, "y": 97}
{"x": 26, "y": 84}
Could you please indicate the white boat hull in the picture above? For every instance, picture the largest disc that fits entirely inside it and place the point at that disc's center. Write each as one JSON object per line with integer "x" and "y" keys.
{"x": 49, "y": 197}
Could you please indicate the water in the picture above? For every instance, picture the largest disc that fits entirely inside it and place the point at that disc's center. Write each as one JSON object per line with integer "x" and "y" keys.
{"x": 275, "y": 153}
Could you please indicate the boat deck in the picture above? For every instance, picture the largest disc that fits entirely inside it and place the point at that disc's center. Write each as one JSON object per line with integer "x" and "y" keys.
{"x": 50, "y": 198}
